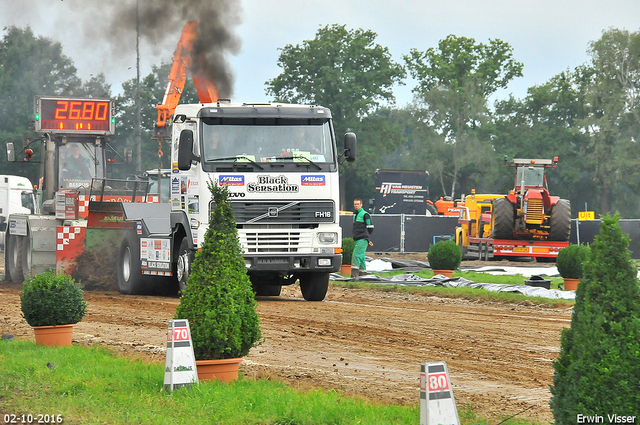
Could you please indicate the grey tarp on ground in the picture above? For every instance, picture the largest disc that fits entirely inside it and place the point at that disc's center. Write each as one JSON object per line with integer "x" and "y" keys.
{"x": 410, "y": 279}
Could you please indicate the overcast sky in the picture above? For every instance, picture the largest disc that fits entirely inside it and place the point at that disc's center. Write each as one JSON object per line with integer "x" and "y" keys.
{"x": 548, "y": 36}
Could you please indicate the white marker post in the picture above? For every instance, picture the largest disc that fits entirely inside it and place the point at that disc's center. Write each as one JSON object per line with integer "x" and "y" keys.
{"x": 437, "y": 405}
{"x": 180, "y": 366}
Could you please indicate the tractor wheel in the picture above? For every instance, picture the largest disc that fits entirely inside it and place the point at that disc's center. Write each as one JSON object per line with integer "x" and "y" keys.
{"x": 503, "y": 219}
{"x": 560, "y": 221}
{"x": 431, "y": 210}
{"x": 464, "y": 249}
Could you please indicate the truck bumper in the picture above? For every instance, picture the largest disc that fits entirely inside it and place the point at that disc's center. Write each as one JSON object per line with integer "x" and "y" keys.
{"x": 294, "y": 263}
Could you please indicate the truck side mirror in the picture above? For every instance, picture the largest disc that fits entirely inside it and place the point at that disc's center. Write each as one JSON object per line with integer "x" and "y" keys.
{"x": 350, "y": 147}
{"x": 128, "y": 155}
{"x": 11, "y": 153}
{"x": 185, "y": 150}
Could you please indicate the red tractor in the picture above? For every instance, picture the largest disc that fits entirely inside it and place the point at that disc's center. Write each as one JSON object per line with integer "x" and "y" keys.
{"x": 529, "y": 211}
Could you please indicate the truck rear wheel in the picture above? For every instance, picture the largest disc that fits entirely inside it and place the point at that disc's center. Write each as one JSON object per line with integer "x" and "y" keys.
{"x": 560, "y": 226}
{"x": 130, "y": 278}
{"x": 502, "y": 220}
{"x": 13, "y": 261}
{"x": 314, "y": 286}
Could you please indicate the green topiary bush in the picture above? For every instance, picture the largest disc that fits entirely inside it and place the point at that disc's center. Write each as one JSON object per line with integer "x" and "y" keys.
{"x": 598, "y": 370}
{"x": 348, "y": 245}
{"x": 570, "y": 261}
{"x": 444, "y": 255}
{"x": 218, "y": 300}
{"x": 48, "y": 299}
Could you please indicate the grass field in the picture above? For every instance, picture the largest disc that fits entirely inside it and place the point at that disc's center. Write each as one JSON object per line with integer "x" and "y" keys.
{"x": 91, "y": 385}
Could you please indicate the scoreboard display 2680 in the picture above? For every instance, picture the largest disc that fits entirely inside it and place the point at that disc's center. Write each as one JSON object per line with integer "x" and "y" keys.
{"x": 74, "y": 115}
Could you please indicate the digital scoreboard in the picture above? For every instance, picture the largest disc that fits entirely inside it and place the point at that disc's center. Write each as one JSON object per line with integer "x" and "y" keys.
{"x": 73, "y": 115}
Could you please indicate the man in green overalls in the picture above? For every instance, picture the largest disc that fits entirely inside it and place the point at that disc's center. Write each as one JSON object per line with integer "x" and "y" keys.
{"x": 362, "y": 229}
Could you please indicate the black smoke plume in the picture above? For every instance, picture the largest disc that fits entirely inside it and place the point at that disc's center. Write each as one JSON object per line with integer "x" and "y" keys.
{"x": 161, "y": 22}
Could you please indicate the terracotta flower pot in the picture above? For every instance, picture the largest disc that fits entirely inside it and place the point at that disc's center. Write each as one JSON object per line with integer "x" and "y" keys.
{"x": 345, "y": 269}
{"x": 446, "y": 273}
{"x": 571, "y": 284}
{"x": 224, "y": 370}
{"x": 59, "y": 335}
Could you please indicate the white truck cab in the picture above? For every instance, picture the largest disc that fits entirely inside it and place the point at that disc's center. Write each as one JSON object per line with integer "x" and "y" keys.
{"x": 280, "y": 165}
{"x": 16, "y": 197}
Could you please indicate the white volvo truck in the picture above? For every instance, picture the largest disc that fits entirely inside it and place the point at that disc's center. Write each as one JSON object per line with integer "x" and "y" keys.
{"x": 280, "y": 164}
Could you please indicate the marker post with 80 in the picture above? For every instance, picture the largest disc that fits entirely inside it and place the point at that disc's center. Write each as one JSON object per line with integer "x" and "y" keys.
{"x": 437, "y": 405}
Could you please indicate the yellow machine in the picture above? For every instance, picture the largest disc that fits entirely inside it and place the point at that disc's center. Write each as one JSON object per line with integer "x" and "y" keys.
{"x": 475, "y": 218}
{"x": 476, "y": 230}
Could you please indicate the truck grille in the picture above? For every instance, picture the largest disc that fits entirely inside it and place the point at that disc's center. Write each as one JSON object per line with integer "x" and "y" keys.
{"x": 294, "y": 212}
{"x": 265, "y": 241}
{"x": 535, "y": 211}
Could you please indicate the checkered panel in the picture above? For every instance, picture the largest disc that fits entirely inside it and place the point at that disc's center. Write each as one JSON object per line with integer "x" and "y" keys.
{"x": 83, "y": 206}
{"x": 67, "y": 235}
{"x": 70, "y": 243}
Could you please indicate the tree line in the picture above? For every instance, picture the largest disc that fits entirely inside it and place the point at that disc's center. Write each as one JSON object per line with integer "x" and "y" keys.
{"x": 588, "y": 116}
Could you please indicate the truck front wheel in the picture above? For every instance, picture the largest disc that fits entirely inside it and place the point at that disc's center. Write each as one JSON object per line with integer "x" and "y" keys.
{"x": 183, "y": 264}
{"x": 314, "y": 286}
{"x": 267, "y": 290}
{"x": 130, "y": 278}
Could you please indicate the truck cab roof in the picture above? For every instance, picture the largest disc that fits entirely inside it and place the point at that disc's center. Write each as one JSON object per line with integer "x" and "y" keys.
{"x": 16, "y": 182}
{"x": 244, "y": 110}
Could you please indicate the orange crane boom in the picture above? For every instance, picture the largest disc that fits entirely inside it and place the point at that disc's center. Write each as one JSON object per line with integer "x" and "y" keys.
{"x": 183, "y": 60}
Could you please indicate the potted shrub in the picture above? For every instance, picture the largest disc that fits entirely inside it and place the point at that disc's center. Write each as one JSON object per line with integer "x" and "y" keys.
{"x": 52, "y": 304}
{"x": 444, "y": 257}
{"x": 569, "y": 264}
{"x": 347, "y": 254}
{"x": 218, "y": 299}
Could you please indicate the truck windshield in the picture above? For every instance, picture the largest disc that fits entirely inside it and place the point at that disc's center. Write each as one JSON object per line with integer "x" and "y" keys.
{"x": 267, "y": 140}
{"x": 78, "y": 163}
{"x": 533, "y": 176}
{"x": 26, "y": 199}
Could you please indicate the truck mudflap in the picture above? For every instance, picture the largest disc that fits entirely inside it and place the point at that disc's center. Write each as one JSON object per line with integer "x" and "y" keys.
{"x": 300, "y": 263}
{"x": 155, "y": 256}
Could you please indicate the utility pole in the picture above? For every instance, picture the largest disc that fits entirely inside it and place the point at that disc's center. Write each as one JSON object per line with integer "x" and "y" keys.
{"x": 138, "y": 119}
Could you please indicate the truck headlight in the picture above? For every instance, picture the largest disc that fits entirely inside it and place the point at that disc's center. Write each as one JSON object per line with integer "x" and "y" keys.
{"x": 327, "y": 237}
{"x": 324, "y": 262}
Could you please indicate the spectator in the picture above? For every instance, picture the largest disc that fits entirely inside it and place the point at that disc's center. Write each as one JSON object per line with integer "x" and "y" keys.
{"x": 362, "y": 229}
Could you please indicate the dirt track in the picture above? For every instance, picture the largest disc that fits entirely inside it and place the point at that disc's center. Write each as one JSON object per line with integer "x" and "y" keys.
{"x": 359, "y": 341}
